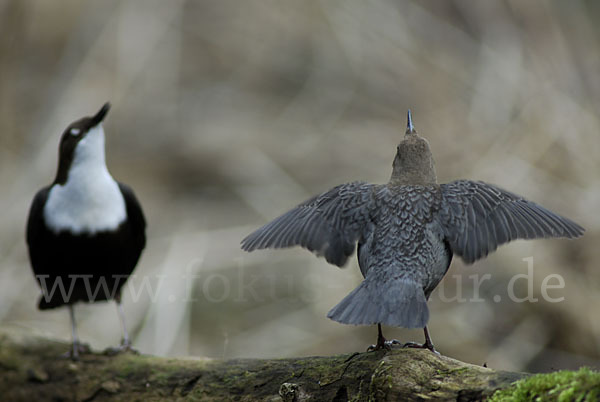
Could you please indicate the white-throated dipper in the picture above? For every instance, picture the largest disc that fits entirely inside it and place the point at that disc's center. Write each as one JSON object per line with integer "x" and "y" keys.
{"x": 407, "y": 232}
{"x": 85, "y": 231}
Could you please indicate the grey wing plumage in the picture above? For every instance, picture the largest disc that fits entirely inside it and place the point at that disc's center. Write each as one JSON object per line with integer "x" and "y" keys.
{"x": 328, "y": 224}
{"x": 478, "y": 217}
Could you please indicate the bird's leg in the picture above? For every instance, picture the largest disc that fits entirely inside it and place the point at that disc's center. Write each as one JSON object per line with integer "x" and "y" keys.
{"x": 125, "y": 341}
{"x": 382, "y": 343}
{"x": 380, "y": 339}
{"x": 77, "y": 348}
{"x": 427, "y": 345}
{"x": 74, "y": 337}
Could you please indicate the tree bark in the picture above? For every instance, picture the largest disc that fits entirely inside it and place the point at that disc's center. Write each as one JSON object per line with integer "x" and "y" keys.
{"x": 32, "y": 369}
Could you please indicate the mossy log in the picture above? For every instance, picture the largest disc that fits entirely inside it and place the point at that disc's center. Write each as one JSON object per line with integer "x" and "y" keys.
{"x": 31, "y": 369}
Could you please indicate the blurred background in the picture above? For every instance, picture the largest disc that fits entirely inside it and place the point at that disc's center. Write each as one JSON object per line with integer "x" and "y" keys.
{"x": 227, "y": 113}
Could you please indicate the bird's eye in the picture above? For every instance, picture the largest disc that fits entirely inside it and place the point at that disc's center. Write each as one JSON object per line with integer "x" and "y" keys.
{"x": 75, "y": 131}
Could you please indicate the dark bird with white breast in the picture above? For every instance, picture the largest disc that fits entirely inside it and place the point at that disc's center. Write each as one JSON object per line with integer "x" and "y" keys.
{"x": 85, "y": 231}
{"x": 407, "y": 232}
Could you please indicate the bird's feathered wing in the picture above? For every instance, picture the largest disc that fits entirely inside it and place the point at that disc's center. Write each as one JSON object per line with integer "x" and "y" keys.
{"x": 478, "y": 217}
{"x": 35, "y": 220}
{"x": 329, "y": 224}
{"x": 136, "y": 219}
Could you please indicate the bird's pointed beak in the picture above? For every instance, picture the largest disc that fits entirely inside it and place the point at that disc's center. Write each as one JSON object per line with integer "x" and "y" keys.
{"x": 97, "y": 119}
{"x": 410, "y": 128}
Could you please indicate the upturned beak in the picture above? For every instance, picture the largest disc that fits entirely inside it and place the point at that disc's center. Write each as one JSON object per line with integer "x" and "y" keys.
{"x": 410, "y": 129}
{"x": 97, "y": 119}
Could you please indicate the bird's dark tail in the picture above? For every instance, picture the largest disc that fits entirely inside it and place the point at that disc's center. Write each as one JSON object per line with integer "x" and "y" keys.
{"x": 393, "y": 301}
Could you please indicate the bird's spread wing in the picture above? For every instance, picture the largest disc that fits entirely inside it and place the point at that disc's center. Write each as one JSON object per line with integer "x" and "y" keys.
{"x": 478, "y": 217}
{"x": 328, "y": 224}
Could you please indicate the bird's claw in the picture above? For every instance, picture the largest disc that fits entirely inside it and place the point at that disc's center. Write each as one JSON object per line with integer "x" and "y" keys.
{"x": 77, "y": 349}
{"x": 387, "y": 345}
{"x": 123, "y": 348}
{"x": 416, "y": 345}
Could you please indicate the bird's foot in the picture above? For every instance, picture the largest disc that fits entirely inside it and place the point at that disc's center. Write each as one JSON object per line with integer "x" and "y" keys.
{"x": 384, "y": 345}
{"x": 77, "y": 349}
{"x": 124, "y": 347}
{"x": 426, "y": 345}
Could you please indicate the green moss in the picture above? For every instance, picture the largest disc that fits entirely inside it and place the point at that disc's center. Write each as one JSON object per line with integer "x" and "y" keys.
{"x": 562, "y": 386}
{"x": 359, "y": 395}
{"x": 381, "y": 382}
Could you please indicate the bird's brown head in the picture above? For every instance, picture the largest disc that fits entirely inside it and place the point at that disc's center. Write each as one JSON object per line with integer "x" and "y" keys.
{"x": 413, "y": 163}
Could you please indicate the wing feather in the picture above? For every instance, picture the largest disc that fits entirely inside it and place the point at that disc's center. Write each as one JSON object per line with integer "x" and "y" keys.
{"x": 329, "y": 224}
{"x": 478, "y": 217}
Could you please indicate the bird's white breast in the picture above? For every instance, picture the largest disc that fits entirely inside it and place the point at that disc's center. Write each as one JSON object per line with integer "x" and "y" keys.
{"x": 90, "y": 201}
